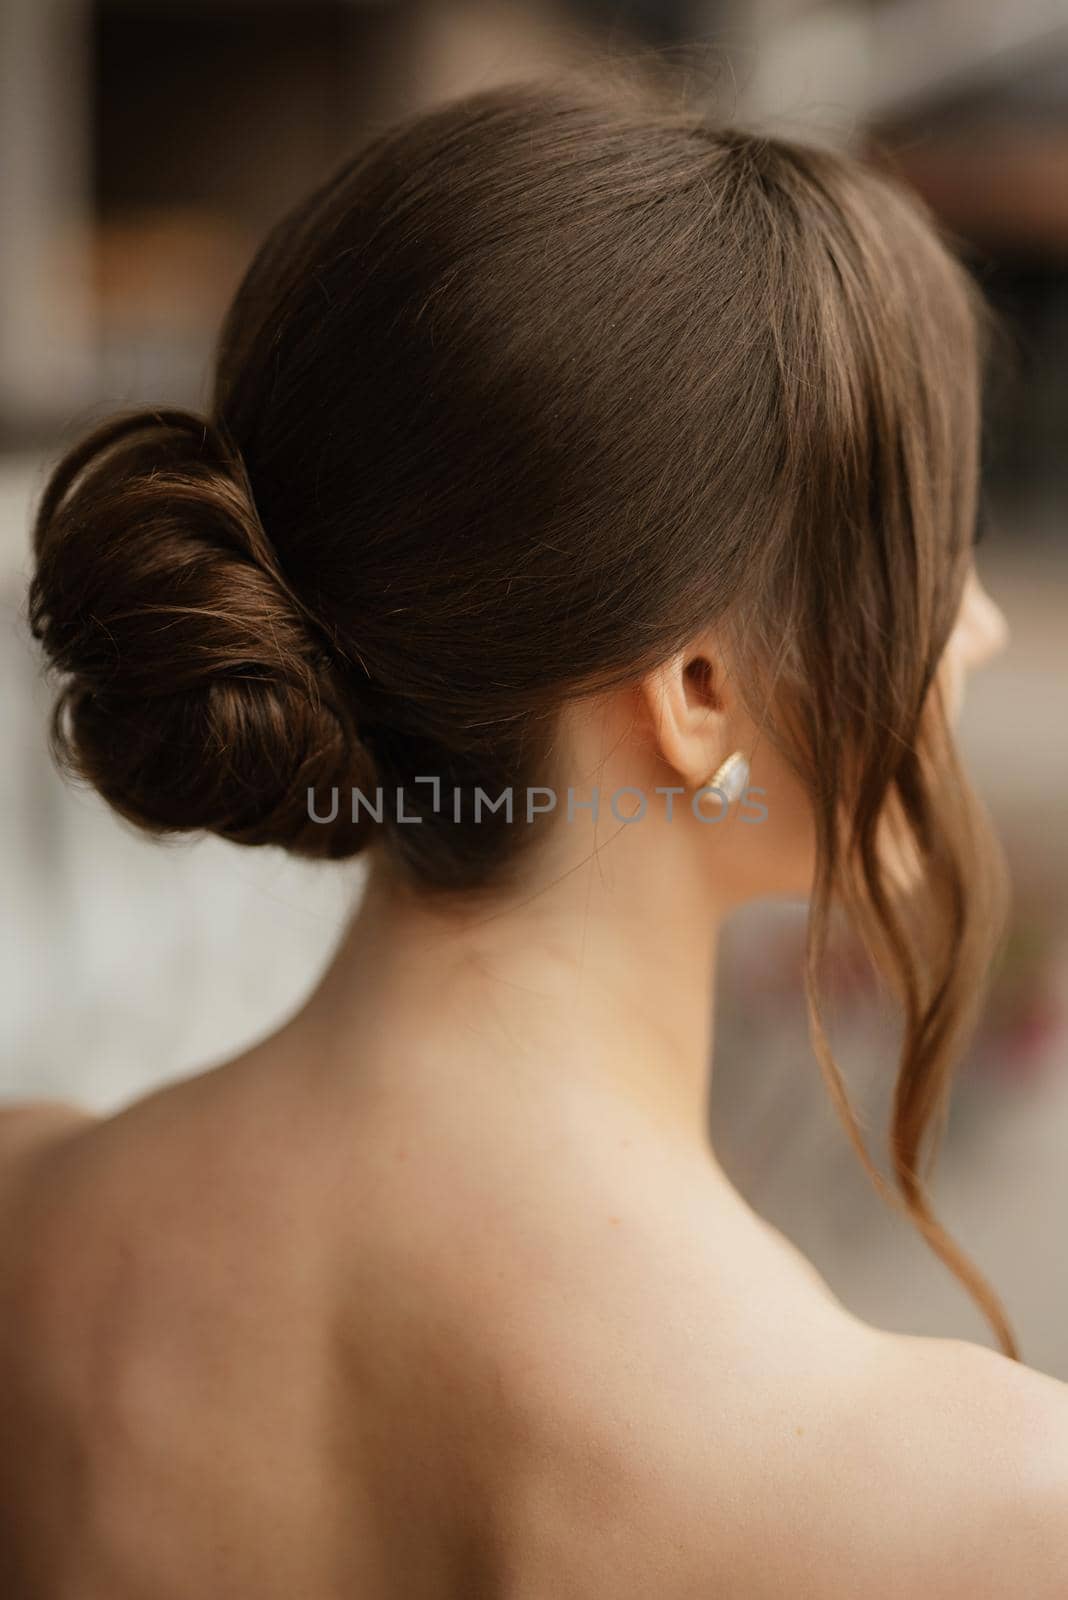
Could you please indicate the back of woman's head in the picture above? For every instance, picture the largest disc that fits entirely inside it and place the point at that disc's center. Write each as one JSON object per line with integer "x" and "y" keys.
{"x": 535, "y": 388}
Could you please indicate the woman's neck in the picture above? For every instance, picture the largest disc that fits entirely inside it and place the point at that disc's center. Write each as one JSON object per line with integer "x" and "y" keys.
{"x": 599, "y": 973}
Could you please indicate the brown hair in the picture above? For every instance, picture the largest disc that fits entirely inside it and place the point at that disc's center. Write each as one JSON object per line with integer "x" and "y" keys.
{"x": 538, "y": 386}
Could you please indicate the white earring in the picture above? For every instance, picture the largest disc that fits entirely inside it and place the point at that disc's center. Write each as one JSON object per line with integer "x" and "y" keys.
{"x": 730, "y": 778}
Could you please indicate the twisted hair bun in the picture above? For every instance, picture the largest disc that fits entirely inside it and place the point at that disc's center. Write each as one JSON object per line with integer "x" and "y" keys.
{"x": 198, "y": 692}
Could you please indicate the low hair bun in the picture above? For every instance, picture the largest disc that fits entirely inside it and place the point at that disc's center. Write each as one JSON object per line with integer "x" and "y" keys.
{"x": 197, "y": 692}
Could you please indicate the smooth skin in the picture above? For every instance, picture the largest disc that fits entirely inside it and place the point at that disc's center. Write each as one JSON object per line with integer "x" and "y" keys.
{"x": 440, "y": 1291}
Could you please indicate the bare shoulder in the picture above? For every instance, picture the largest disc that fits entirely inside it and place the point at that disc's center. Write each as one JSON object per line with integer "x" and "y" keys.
{"x": 29, "y": 1131}
{"x": 84, "y": 1196}
{"x": 34, "y": 1136}
{"x": 964, "y": 1457}
{"x": 26, "y": 1126}
{"x": 42, "y": 1142}
{"x": 895, "y": 1467}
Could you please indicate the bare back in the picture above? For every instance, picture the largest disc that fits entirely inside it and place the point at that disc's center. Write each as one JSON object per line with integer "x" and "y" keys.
{"x": 275, "y": 1333}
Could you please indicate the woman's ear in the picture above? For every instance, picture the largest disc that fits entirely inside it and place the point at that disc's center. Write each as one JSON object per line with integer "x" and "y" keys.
{"x": 688, "y": 700}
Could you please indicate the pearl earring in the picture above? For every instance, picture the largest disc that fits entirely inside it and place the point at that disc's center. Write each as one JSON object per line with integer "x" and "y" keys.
{"x": 730, "y": 779}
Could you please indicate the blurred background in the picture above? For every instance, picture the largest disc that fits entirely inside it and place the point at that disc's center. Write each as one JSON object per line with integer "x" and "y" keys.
{"x": 146, "y": 147}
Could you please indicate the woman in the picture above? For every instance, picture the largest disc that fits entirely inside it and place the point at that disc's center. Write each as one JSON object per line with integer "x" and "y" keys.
{"x": 569, "y": 447}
